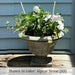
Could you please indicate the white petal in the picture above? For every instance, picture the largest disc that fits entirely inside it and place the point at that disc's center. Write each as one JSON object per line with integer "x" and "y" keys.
{"x": 61, "y": 34}
{"x": 56, "y": 18}
{"x": 61, "y": 25}
{"x": 48, "y": 17}
{"x": 45, "y": 19}
{"x": 36, "y": 9}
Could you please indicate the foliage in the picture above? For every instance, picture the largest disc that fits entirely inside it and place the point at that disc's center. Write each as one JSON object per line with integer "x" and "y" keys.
{"x": 39, "y": 23}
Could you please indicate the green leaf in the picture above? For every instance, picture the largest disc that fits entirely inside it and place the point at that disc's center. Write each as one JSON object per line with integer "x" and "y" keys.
{"x": 21, "y": 34}
{"x": 56, "y": 34}
{"x": 17, "y": 29}
{"x": 17, "y": 24}
{"x": 12, "y": 28}
{"x": 39, "y": 6}
{"x": 50, "y": 25}
{"x": 57, "y": 13}
{"x": 8, "y": 27}
{"x": 50, "y": 41}
{"x": 66, "y": 30}
{"x": 61, "y": 19}
{"x": 21, "y": 13}
{"x": 8, "y": 22}
{"x": 15, "y": 18}
{"x": 39, "y": 26}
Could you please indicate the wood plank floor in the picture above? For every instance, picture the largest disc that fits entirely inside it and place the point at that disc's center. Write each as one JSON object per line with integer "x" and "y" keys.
{"x": 58, "y": 60}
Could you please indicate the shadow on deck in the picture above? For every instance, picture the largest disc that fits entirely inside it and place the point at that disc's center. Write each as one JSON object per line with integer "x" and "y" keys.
{"x": 22, "y": 60}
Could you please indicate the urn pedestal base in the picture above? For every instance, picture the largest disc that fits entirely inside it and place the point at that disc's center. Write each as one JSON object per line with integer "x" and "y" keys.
{"x": 41, "y": 61}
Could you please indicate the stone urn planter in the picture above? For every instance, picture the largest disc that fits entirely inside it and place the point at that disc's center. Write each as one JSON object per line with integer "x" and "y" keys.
{"x": 40, "y": 47}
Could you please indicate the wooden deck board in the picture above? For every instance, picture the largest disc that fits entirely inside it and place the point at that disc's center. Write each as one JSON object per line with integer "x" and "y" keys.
{"x": 62, "y": 60}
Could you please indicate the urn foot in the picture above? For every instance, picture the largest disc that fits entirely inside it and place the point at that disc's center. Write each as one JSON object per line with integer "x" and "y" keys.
{"x": 41, "y": 61}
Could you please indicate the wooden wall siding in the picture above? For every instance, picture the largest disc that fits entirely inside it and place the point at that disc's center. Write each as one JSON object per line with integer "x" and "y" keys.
{"x": 35, "y": 1}
{"x": 4, "y": 18}
{"x": 4, "y": 33}
{"x": 20, "y": 44}
{"x": 10, "y": 8}
{"x": 14, "y": 9}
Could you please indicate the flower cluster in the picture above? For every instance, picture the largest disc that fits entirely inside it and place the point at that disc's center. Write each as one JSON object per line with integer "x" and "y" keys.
{"x": 40, "y": 23}
{"x": 54, "y": 18}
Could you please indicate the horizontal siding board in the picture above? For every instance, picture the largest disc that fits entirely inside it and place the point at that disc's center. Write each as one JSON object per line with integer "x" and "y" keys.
{"x": 14, "y": 9}
{"x": 24, "y": 51}
{"x": 67, "y": 20}
{"x": 20, "y": 44}
{"x": 60, "y": 51}
{"x": 35, "y": 1}
{"x": 12, "y": 44}
{"x": 7, "y": 33}
{"x": 15, "y": 52}
{"x": 3, "y": 19}
{"x": 63, "y": 44}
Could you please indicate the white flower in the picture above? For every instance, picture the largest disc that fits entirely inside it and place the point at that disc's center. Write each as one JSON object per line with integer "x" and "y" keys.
{"x": 48, "y": 37}
{"x": 48, "y": 17}
{"x": 36, "y": 9}
{"x": 61, "y": 25}
{"x": 45, "y": 18}
{"x": 56, "y": 18}
{"x": 61, "y": 34}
